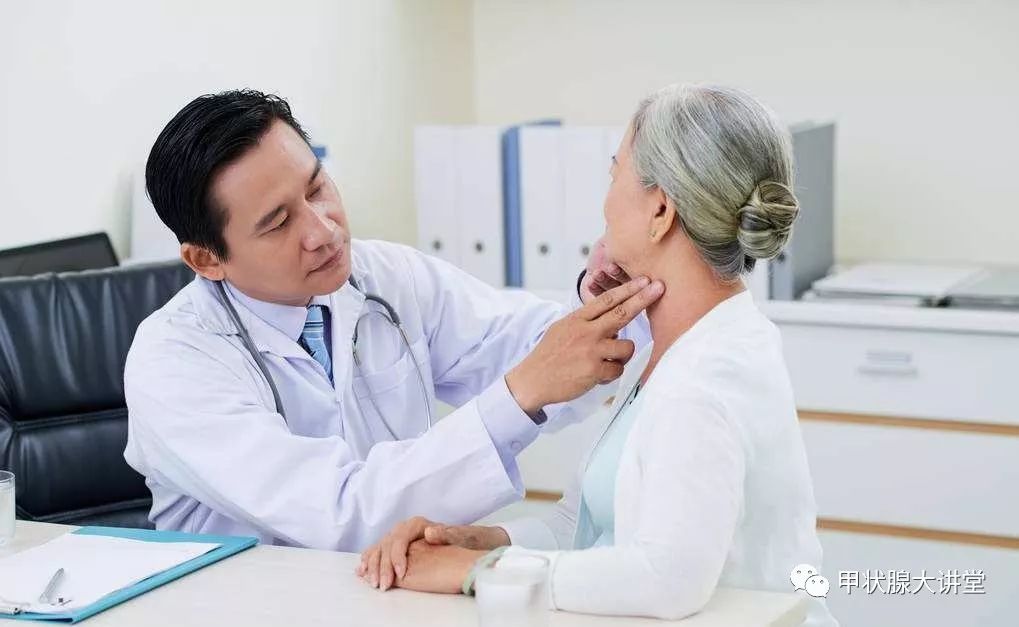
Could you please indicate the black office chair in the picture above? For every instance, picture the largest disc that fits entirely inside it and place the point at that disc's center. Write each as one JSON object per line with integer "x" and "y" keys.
{"x": 63, "y": 421}
{"x": 74, "y": 254}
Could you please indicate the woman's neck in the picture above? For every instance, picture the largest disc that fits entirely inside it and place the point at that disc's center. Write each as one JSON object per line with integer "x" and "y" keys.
{"x": 691, "y": 291}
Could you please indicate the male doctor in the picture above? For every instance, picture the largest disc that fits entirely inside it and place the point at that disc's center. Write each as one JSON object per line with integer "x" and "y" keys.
{"x": 284, "y": 299}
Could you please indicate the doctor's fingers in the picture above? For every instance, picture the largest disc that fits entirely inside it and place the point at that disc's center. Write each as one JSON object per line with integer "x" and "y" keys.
{"x": 605, "y": 279}
{"x": 620, "y": 315}
{"x": 609, "y": 371}
{"x": 617, "y": 350}
{"x": 475, "y": 537}
{"x": 606, "y": 301}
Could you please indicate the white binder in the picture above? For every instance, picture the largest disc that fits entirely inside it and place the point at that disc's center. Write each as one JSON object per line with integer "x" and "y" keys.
{"x": 458, "y": 190}
{"x": 542, "y": 214}
{"x": 435, "y": 182}
{"x": 479, "y": 208}
{"x": 587, "y": 157}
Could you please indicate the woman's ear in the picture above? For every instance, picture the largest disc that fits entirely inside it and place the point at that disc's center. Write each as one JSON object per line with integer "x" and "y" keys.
{"x": 203, "y": 261}
{"x": 663, "y": 217}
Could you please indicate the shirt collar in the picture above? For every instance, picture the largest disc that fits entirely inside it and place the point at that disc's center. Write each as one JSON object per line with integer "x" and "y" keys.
{"x": 288, "y": 319}
{"x": 212, "y": 316}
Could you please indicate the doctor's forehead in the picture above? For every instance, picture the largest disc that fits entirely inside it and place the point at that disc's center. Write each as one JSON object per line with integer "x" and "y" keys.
{"x": 267, "y": 176}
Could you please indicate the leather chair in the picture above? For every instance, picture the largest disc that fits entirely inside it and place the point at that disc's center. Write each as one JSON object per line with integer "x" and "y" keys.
{"x": 63, "y": 423}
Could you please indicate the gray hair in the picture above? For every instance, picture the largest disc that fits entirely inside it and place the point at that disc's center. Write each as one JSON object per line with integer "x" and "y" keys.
{"x": 725, "y": 161}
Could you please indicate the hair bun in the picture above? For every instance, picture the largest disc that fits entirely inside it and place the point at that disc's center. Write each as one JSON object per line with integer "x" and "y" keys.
{"x": 765, "y": 222}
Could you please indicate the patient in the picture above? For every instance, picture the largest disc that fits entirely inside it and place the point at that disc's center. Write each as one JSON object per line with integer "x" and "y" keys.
{"x": 701, "y": 478}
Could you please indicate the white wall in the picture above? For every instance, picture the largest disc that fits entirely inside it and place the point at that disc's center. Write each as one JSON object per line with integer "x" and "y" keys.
{"x": 86, "y": 86}
{"x": 924, "y": 93}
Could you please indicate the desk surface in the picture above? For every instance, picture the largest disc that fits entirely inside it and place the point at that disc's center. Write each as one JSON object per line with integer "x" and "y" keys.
{"x": 274, "y": 586}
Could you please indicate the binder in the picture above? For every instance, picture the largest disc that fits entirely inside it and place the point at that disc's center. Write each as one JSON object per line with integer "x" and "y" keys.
{"x": 435, "y": 183}
{"x": 512, "y": 197}
{"x": 542, "y": 200}
{"x": 458, "y": 190}
{"x": 587, "y": 157}
{"x": 479, "y": 206}
{"x": 229, "y": 545}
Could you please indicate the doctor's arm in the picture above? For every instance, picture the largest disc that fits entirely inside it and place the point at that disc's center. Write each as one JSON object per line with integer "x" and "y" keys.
{"x": 478, "y": 334}
{"x": 201, "y": 425}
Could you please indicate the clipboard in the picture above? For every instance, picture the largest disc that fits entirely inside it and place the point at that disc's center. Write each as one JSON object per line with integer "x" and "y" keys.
{"x": 229, "y": 545}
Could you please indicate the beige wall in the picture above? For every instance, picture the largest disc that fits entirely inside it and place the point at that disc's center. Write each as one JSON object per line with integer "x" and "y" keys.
{"x": 925, "y": 94}
{"x": 86, "y": 86}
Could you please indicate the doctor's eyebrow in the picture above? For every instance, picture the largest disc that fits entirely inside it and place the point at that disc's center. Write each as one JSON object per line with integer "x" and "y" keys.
{"x": 314, "y": 173}
{"x": 268, "y": 218}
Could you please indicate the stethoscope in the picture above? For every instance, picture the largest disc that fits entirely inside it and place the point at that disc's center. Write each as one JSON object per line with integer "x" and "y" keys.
{"x": 388, "y": 313}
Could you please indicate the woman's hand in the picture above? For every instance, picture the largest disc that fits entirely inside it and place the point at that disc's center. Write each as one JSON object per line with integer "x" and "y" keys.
{"x": 438, "y": 568}
{"x": 384, "y": 564}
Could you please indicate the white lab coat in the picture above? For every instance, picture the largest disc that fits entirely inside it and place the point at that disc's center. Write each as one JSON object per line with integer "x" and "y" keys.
{"x": 204, "y": 432}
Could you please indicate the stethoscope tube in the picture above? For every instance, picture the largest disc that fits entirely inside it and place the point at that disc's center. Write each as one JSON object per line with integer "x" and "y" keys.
{"x": 392, "y": 317}
{"x": 250, "y": 345}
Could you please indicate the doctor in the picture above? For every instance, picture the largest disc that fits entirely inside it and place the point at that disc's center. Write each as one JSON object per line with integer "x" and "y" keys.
{"x": 288, "y": 392}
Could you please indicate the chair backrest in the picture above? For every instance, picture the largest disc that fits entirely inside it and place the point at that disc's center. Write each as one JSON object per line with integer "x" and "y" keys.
{"x": 74, "y": 254}
{"x": 63, "y": 422}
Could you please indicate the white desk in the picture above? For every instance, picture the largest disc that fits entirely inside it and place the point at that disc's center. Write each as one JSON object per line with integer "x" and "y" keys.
{"x": 272, "y": 586}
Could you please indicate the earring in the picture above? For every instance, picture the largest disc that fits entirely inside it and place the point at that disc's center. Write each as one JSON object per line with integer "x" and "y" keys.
{"x": 653, "y": 233}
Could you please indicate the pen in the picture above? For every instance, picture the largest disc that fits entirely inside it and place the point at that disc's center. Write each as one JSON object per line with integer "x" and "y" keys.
{"x": 51, "y": 587}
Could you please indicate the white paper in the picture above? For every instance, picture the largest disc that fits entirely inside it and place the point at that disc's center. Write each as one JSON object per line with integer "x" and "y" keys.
{"x": 898, "y": 279}
{"x": 94, "y": 566}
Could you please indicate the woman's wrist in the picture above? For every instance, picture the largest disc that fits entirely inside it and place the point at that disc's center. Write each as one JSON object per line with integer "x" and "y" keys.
{"x": 484, "y": 561}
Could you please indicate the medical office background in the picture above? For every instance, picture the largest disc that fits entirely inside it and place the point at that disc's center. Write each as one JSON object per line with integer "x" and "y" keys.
{"x": 912, "y": 472}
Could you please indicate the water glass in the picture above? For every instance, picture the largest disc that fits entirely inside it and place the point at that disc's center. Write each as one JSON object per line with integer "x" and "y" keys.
{"x": 513, "y": 592}
{"x": 6, "y": 507}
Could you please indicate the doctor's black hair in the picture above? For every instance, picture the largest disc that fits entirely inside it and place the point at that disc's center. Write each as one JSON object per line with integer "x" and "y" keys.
{"x": 209, "y": 133}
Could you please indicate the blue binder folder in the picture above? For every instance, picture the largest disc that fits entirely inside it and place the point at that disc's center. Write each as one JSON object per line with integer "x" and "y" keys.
{"x": 229, "y": 545}
{"x": 513, "y": 227}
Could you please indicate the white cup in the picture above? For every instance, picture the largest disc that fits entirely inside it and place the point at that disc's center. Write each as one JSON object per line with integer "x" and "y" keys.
{"x": 513, "y": 592}
{"x": 6, "y": 507}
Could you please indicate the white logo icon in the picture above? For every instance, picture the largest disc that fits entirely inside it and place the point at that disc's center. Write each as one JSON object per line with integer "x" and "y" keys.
{"x": 817, "y": 586}
{"x": 801, "y": 574}
{"x": 805, "y": 577}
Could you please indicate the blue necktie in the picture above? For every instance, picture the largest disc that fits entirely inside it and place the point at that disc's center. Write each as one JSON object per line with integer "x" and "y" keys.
{"x": 313, "y": 339}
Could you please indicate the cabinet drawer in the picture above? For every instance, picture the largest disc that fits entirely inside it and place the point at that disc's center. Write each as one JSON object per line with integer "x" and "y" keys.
{"x": 912, "y": 477}
{"x": 896, "y": 372}
{"x": 997, "y": 607}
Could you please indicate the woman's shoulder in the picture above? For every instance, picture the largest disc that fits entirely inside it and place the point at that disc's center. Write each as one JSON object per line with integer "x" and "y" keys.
{"x": 744, "y": 347}
{"x": 732, "y": 374}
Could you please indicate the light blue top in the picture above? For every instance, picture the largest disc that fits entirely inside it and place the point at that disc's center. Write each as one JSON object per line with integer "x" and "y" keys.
{"x": 599, "y": 486}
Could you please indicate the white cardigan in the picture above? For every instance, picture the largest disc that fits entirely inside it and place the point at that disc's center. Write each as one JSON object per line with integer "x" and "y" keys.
{"x": 712, "y": 489}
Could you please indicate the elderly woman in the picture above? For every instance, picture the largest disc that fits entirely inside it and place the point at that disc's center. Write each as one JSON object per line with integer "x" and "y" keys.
{"x": 701, "y": 478}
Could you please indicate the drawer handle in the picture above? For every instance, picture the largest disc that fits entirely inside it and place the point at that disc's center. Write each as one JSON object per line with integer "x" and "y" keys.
{"x": 888, "y": 370}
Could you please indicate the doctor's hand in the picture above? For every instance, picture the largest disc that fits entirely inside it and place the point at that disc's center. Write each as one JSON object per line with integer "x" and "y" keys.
{"x": 581, "y": 350}
{"x": 601, "y": 274}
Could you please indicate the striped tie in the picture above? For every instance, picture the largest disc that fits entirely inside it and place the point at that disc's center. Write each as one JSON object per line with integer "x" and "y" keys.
{"x": 313, "y": 339}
